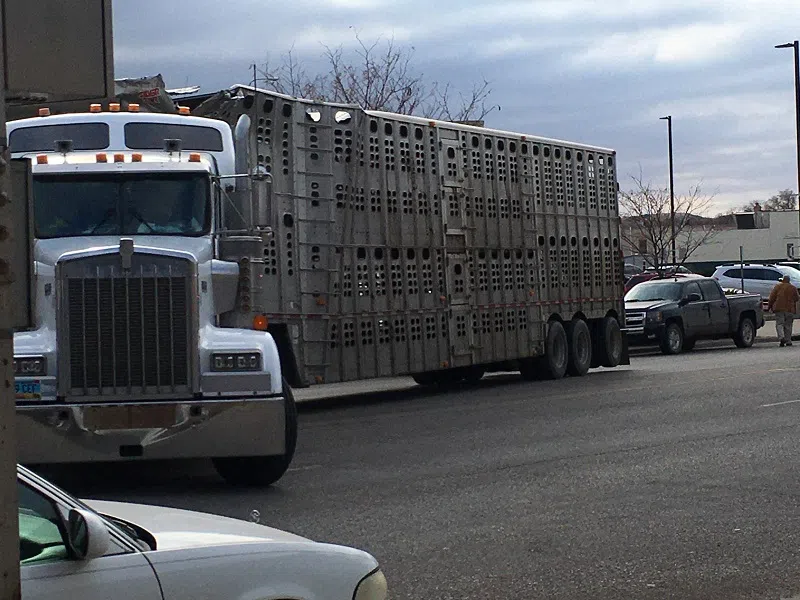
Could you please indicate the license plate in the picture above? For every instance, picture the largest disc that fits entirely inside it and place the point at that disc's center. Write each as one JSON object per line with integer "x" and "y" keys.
{"x": 28, "y": 390}
{"x": 129, "y": 417}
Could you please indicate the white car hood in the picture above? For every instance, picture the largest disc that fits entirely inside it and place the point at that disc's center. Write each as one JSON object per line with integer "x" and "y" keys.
{"x": 182, "y": 529}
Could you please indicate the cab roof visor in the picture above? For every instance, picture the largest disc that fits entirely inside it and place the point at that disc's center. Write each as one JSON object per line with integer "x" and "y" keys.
{"x": 63, "y": 146}
{"x": 172, "y": 145}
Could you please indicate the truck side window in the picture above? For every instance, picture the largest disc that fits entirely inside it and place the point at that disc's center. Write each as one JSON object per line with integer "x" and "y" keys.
{"x": 711, "y": 290}
{"x": 734, "y": 273}
{"x": 693, "y": 288}
{"x": 753, "y": 274}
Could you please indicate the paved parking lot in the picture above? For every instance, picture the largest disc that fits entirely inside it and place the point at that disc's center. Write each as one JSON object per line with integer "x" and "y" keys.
{"x": 672, "y": 478}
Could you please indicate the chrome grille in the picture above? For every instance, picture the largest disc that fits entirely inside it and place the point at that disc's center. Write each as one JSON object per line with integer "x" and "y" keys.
{"x": 128, "y": 332}
{"x": 634, "y": 319}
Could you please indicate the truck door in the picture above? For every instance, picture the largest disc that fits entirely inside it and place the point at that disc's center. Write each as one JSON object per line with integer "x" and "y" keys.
{"x": 717, "y": 307}
{"x": 696, "y": 320}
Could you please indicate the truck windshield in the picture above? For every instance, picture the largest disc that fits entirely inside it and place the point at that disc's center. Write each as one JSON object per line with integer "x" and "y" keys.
{"x": 121, "y": 204}
{"x": 653, "y": 291}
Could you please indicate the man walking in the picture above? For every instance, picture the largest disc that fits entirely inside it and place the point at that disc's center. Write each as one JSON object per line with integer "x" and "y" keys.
{"x": 783, "y": 301}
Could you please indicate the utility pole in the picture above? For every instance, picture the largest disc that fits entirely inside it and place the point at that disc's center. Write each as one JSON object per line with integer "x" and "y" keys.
{"x": 796, "y": 46}
{"x": 668, "y": 119}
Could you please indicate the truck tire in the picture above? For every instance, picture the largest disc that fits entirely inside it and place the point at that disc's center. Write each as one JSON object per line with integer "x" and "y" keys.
{"x": 553, "y": 365}
{"x": 746, "y": 333}
{"x": 263, "y": 470}
{"x": 609, "y": 346}
{"x": 672, "y": 340}
{"x": 474, "y": 373}
{"x": 429, "y": 378}
{"x": 580, "y": 348}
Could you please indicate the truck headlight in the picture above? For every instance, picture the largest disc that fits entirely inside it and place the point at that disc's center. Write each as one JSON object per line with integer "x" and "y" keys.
{"x": 372, "y": 587}
{"x": 236, "y": 361}
{"x": 30, "y": 366}
{"x": 655, "y": 317}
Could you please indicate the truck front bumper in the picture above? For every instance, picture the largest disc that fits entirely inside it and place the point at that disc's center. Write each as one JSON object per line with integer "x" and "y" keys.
{"x": 107, "y": 431}
{"x": 645, "y": 335}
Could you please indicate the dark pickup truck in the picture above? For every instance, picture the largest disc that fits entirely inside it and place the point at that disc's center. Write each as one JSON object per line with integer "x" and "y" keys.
{"x": 675, "y": 313}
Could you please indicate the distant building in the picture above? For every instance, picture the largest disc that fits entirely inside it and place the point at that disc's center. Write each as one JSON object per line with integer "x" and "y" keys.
{"x": 764, "y": 236}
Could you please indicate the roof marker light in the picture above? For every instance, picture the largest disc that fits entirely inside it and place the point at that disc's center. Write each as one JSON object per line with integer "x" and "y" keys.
{"x": 184, "y": 110}
{"x": 95, "y": 108}
{"x": 44, "y": 112}
{"x": 133, "y": 107}
{"x": 101, "y": 157}
{"x": 113, "y": 107}
{"x": 119, "y": 158}
{"x": 41, "y": 159}
{"x": 136, "y": 157}
{"x": 194, "y": 157}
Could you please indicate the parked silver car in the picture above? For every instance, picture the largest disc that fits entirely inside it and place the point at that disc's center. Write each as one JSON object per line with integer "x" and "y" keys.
{"x": 758, "y": 279}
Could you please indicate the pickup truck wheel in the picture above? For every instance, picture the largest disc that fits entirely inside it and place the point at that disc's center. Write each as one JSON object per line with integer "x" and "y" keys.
{"x": 672, "y": 341}
{"x": 746, "y": 334}
{"x": 609, "y": 343}
{"x": 580, "y": 348}
{"x": 263, "y": 470}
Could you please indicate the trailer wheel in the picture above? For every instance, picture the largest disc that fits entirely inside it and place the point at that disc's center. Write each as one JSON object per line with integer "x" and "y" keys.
{"x": 553, "y": 365}
{"x": 474, "y": 373}
{"x": 580, "y": 348}
{"x": 429, "y": 378}
{"x": 609, "y": 343}
{"x": 263, "y": 470}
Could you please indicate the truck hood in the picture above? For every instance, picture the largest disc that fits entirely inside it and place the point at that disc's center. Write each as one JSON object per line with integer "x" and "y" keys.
{"x": 49, "y": 251}
{"x": 182, "y": 529}
{"x": 643, "y": 306}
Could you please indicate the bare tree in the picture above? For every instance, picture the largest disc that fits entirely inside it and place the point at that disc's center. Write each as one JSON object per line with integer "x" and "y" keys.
{"x": 783, "y": 200}
{"x": 647, "y": 227}
{"x": 377, "y": 76}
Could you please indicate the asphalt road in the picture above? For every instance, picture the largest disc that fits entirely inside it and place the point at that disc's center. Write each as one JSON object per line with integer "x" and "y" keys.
{"x": 672, "y": 478}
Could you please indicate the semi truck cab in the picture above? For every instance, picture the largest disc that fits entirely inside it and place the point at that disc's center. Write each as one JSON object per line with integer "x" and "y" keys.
{"x": 127, "y": 359}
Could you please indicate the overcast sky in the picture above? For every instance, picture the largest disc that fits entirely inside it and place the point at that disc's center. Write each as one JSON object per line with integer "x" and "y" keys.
{"x": 592, "y": 71}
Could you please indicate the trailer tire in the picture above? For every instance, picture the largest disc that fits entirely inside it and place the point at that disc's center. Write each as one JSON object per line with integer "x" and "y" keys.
{"x": 609, "y": 343}
{"x": 429, "y": 378}
{"x": 474, "y": 373}
{"x": 580, "y": 348}
{"x": 263, "y": 470}
{"x": 553, "y": 364}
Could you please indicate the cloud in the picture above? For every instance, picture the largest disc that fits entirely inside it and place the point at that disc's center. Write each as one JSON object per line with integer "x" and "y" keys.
{"x": 588, "y": 71}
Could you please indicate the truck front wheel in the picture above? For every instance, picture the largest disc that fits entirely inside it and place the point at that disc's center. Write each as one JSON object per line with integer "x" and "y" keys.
{"x": 746, "y": 334}
{"x": 263, "y": 470}
{"x": 672, "y": 339}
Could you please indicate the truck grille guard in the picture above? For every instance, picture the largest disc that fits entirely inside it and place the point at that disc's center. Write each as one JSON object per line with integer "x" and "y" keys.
{"x": 127, "y": 326}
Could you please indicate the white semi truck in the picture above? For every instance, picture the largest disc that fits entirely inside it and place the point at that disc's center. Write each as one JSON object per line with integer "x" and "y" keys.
{"x": 129, "y": 358}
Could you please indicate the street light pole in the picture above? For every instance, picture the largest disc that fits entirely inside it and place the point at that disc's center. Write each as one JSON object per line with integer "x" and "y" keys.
{"x": 668, "y": 119}
{"x": 796, "y": 45}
